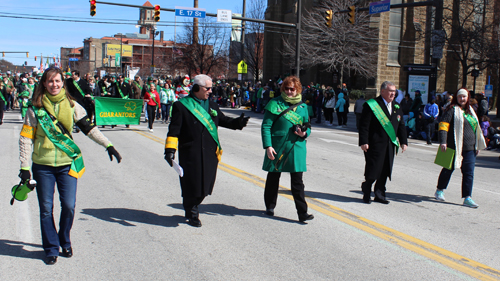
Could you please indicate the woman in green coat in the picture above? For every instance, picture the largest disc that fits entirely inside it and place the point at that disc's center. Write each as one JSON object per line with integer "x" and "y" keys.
{"x": 284, "y": 131}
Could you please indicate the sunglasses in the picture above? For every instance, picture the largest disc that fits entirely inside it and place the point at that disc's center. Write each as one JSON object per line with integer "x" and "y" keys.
{"x": 289, "y": 89}
{"x": 207, "y": 88}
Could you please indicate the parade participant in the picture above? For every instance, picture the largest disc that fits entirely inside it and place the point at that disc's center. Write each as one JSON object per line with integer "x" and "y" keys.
{"x": 9, "y": 89}
{"x": 3, "y": 96}
{"x": 284, "y": 129}
{"x": 80, "y": 90}
{"x": 46, "y": 140}
{"x": 26, "y": 92}
{"x": 136, "y": 87}
{"x": 183, "y": 88}
{"x": 152, "y": 99}
{"x": 459, "y": 130}
{"x": 193, "y": 131}
{"x": 381, "y": 122}
{"x": 104, "y": 85}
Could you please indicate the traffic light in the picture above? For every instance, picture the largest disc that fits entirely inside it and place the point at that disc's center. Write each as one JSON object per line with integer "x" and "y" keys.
{"x": 157, "y": 12}
{"x": 329, "y": 18}
{"x": 352, "y": 14}
{"x": 92, "y": 8}
{"x": 35, "y": 58}
{"x": 27, "y": 54}
{"x": 3, "y": 54}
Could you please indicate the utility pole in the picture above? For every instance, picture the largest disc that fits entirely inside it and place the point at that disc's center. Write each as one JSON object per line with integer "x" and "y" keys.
{"x": 297, "y": 44}
{"x": 153, "y": 51}
{"x": 195, "y": 25}
{"x": 243, "y": 32}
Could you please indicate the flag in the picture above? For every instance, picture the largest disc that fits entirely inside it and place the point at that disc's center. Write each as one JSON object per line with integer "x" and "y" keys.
{"x": 177, "y": 51}
{"x": 113, "y": 111}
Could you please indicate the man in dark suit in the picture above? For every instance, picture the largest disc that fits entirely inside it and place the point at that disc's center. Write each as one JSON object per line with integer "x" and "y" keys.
{"x": 379, "y": 141}
{"x": 80, "y": 90}
{"x": 193, "y": 131}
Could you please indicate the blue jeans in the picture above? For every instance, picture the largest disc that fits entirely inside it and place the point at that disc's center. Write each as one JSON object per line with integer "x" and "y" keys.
{"x": 468, "y": 165}
{"x": 47, "y": 177}
{"x": 165, "y": 111}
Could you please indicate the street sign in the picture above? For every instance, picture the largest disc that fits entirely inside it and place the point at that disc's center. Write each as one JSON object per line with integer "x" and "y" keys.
{"x": 224, "y": 16}
{"x": 190, "y": 12}
{"x": 242, "y": 67}
{"x": 117, "y": 59}
{"x": 73, "y": 59}
{"x": 488, "y": 91}
{"x": 379, "y": 7}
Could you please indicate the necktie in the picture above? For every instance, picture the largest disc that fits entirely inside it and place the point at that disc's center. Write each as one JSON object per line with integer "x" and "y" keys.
{"x": 389, "y": 108}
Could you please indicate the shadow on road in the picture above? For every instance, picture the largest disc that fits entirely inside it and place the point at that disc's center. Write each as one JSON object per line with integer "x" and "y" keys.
{"x": 326, "y": 196}
{"x": 226, "y": 210}
{"x": 16, "y": 249}
{"x": 408, "y": 198}
{"x": 126, "y": 216}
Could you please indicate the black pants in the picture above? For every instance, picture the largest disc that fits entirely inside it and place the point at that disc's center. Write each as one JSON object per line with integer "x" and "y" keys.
{"x": 379, "y": 189}
{"x": 429, "y": 130}
{"x": 271, "y": 191}
{"x": 342, "y": 116}
{"x": 151, "y": 115}
{"x": 329, "y": 115}
{"x": 191, "y": 206}
{"x": 2, "y": 105}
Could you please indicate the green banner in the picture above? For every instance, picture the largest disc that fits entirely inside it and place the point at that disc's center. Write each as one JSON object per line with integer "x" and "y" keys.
{"x": 114, "y": 111}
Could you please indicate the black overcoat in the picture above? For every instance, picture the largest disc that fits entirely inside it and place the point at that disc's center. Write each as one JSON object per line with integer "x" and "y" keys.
{"x": 197, "y": 148}
{"x": 380, "y": 146}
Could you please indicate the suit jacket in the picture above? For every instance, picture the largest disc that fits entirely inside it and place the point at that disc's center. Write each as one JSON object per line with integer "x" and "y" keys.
{"x": 372, "y": 133}
{"x": 124, "y": 87}
{"x": 197, "y": 148}
{"x": 75, "y": 93}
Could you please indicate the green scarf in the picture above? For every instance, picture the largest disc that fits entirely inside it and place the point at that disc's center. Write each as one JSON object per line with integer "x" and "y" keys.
{"x": 291, "y": 100}
{"x": 60, "y": 103}
{"x": 203, "y": 103}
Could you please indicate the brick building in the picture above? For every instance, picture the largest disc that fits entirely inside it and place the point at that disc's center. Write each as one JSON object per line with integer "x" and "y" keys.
{"x": 404, "y": 51}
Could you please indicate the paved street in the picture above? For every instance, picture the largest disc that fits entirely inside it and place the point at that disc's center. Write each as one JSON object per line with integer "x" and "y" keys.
{"x": 129, "y": 222}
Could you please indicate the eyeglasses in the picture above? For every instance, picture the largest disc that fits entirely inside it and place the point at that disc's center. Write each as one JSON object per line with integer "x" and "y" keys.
{"x": 207, "y": 88}
{"x": 289, "y": 89}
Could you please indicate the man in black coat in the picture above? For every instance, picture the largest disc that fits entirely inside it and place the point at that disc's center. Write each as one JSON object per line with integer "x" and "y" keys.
{"x": 377, "y": 143}
{"x": 80, "y": 90}
{"x": 193, "y": 131}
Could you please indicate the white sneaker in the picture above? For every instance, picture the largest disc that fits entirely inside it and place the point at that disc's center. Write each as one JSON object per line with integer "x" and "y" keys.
{"x": 151, "y": 130}
{"x": 339, "y": 127}
{"x": 470, "y": 203}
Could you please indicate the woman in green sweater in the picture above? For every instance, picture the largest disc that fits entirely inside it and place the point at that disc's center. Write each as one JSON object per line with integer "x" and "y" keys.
{"x": 285, "y": 128}
{"x": 46, "y": 139}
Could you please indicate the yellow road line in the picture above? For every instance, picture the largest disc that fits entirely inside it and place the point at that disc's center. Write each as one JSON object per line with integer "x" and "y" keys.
{"x": 443, "y": 256}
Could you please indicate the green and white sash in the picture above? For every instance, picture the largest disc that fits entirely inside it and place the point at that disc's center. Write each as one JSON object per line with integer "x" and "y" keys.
{"x": 120, "y": 91}
{"x": 1, "y": 95}
{"x": 472, "y": 120}
{"x": 384, "y": 121}
{"x": 61, "y": 141}
{"x": 202, "y": 115}
{"x": 78, "y": 88}
{"x": 292, "y": 116}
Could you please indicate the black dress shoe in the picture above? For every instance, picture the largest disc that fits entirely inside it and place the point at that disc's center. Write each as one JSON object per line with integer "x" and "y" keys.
{"x": 367, "y": 199}
{"x": 383, "y": 201}
{"x": 68, "y": 252}
{"x": 270, "y": 212}
{"x": 194, "y": 222}
{"x": 51, "y": 260}
{"x": 305, "y": 217}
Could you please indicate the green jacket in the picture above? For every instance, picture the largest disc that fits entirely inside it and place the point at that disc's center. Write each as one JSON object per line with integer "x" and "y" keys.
{"x": 290, "y": 147}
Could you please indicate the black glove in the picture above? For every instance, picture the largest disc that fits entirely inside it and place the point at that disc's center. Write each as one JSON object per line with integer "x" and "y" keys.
{"x": 169, "y": 155}
{"x": 242, "y": 120}
{"x": 24, "y": 175}
{"x": 112, "y": 152}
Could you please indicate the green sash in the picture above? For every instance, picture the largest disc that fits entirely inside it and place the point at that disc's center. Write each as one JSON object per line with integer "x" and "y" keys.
{"x": 137, "y": 84}
{"x": 472, "y": 121}
{"x": 61, "y": 141}
{"x": 1, "y": 96}
{"x": 202, "y": 115}
{"x": 120, "y": 91}
{"x": 78, "y": 87}
{"x": 384, "y": 121}
{"x": 153, "y": 97}
{"x": 104, "y": 92}
{"x": 292, "y": 116}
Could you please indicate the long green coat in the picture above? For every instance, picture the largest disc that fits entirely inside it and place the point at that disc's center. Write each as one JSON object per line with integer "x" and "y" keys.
{"x": 290, "y": 148}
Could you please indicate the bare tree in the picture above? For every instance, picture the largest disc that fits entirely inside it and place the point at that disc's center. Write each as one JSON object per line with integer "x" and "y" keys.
{"x": 210, "y": 51}
{"x": 344, "y": 47}
{"x": 254, "y": 40}
{"x": 468, "y": 36}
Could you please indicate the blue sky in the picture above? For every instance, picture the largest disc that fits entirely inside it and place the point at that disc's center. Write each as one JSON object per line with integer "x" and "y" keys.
{"x": 46, "y": 37}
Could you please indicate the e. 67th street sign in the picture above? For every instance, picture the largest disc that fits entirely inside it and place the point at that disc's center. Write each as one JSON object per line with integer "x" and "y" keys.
{"x": 190, "y": 12}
